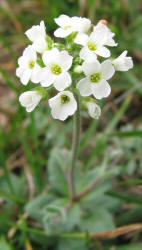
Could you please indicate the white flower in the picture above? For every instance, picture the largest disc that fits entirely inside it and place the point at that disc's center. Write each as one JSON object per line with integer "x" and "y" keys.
{"x": 28, "y": 68}
{"x": 57, "y": 64}
{"x": 106, "y": 33}
{"x": 95, "y": 81}
{"x": 71, "y": 24}
{"x": 92, "y": 45}
{"x": 30, "y": 100}
{"x": 93, "y": 109}
{"x": 63, "y": 105}
{"x": 123, "y": 62}
{"x": 37, "y": 35}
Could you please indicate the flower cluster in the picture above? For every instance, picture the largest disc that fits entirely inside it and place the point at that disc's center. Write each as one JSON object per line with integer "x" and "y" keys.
{"x": 74, "y": 67}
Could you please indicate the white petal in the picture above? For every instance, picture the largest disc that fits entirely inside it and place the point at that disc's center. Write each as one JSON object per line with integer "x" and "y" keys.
{"x": 55, "y": 106}
{"x": 63, "y": 20}
{"x": 111, "y": 42}
{"x": 128, "y": 63}
{"x": 46, "y": 77}
{"x": 123, "y": 62}
{"x": 62, "y": 81}
{"x": 30, "y": 99}
{"x": 23, "y": 61}
{"x": 65, "y": 60}
{"x": 42, "y": 27}
{"x": 107, "y": 70}
{"x": 36, "y": 32}
{"x": 102, "y": 51}
{"x": 84, "y": 87}
{"x": 69, "y": 108}
{"x": 51, "y": 56}
{"x": 30, "y": 53}
{"x": 62, "y": 32}
{"x": 40, "y": 45}
{"x": 81, "y": 39}
{"x": 31, "y": 108}
{"x": 25, "y": 98}
{"x": 91, "y": 67}
{"x": 36, "y": 97}
{"x": 62, "y": 111}
{"x": 87, "y": 54}
{"x": 107, "y": 34}
{"x": 101, "y": 89}
{"x": 80, "y": 24}
{"x": 25, "y": 77}
{"x": 98, "y": 37}
{"x": 19, "y": 71}
{"x": 36, "y": 74}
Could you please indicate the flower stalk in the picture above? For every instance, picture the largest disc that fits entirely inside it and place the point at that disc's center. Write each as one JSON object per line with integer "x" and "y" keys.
{"x": 75, "y": 146}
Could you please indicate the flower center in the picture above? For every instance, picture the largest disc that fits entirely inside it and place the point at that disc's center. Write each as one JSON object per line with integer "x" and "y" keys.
{"x": 31, "y": 64}
{"x": 95, "y": 77}
{"x": 67, "y": 27}
{"x": 56, "y": 69}
{"x": 64, "y": 99}
{"x": 92, "y": 46}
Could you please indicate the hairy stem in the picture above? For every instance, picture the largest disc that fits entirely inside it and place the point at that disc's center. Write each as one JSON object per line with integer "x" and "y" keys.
{"x": 75, "y": 146}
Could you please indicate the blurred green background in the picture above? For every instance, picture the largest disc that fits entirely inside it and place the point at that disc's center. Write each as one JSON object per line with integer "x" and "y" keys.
{"x": 31, "y": 143}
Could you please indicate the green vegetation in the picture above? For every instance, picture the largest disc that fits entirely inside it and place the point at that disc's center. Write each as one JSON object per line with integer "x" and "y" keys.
{"x": 35, "y": 209}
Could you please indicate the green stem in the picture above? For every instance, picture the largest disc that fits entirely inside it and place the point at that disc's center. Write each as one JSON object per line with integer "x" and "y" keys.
{"x": 74, "y": 236}
{"x": 75, "y": 145}
{"x": 6, "y": 173}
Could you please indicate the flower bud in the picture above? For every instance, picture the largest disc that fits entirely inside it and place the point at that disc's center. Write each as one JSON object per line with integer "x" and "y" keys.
{"x": 78, "y": 69}
{"x": 93, "y": 109}
{"x": 103, "y": 21}
{"x": 123, "y": 62}
{"x": 30, "y": 100}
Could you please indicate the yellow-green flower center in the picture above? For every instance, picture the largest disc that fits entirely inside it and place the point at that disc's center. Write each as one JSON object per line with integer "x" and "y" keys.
{"x": 64, "y": 99}
{"x": 92, "y": 46}
{"x": 67, "y": 27}
{"x": 95, "y": 77}
{"x": 31, "y": 64}
{"x": 56, "y": 69}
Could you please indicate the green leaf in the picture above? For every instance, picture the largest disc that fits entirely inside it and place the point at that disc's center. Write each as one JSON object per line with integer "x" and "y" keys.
{"x": 100, "y": 221}
{"x": 65, "y": 244}
{"x": 59, "y": 163}
{"x": 35, "y": 208}
{"x": 73, "y": 217}
{"x": 4, "y": 245}
{"x": 18, "y": 184}
{"x": 54, "y": 215}
{"x": 83, "y": 180}
{"x": 57, "y": 218}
